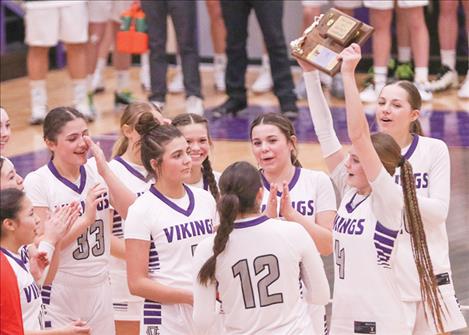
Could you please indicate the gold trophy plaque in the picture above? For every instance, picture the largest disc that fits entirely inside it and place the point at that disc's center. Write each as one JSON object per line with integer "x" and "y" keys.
{"x": 323, "y": 41}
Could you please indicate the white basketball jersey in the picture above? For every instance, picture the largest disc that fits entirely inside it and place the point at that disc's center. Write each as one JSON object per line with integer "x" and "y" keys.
{"x": 135, "y": 178}
{"x": 366, "y": 298}
{"x": 88, "y": 256}
{"x": 430, "y": 162}
{"x": 258, "y": 277}
{"x": 30, "y": 293}
{"x": 203, "y": 182}
{"x": 310, "y": 192}
{"x": 174, "y": 232}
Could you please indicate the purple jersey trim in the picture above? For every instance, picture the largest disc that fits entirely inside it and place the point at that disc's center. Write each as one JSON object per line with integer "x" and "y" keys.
{"x": 412, "y": 147}
{"x": 186, "y": 212}
{"x": 130, "y": 168}
{"x": 250, "y": 223}
{"x": 67, "y": 182}
{"x": 17, "y": 260}
{"x": 349, "y": 205}
{"x": 291, "y": 184}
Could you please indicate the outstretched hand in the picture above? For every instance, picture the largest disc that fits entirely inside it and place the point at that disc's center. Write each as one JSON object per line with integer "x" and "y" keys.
{"x": 350, "y": 57}
{"x": 59, "y": 223}
{"x": 271, "y": 208}
{"x": 286, "y": 208}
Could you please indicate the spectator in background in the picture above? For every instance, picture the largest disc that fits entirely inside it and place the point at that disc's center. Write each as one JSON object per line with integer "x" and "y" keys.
{"x": 218, "y": 34}
{"x": 47, "y": 23}
{"x": 269, "y": 15}
{"x": 448, "y": 35}
{"x": 183, "y": 15}
{"x": 381, "y": 18}
{"x": 100, "y": 14}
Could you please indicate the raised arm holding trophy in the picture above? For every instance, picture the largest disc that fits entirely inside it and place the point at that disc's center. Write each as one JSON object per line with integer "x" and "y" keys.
{"x": 329, "y": 34}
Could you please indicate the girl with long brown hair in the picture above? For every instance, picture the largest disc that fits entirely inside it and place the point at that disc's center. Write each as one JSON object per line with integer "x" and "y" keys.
{"x": 259, "y": 259}
{"x": 373, "y": 211}
{"x": 163, "y": 228}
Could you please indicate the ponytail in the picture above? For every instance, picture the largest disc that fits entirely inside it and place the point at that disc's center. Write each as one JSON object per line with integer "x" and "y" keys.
{"x": 207, "y": 174}
{"x": 239, "y": 185}
{"x": 414, "y": 225}
{"x": 228, "y": 207}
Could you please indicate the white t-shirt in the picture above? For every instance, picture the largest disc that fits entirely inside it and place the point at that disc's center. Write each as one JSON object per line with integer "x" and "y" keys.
{"x": 89, "y": 255}
{"x": 135, "y": 178}
{"x": 30, "y": 293}
{"x": 430, "y": 162}
{"x": 173, "y": 230}
{"x": 366, "y": 296}
{"x": 258, "y": 277}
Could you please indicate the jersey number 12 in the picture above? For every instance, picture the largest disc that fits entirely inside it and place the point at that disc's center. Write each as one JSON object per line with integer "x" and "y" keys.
{"x": 241, "y": 269}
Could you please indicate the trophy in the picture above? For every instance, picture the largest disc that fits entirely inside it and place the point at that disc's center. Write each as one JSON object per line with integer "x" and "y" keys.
{"x": 329, "y": 34}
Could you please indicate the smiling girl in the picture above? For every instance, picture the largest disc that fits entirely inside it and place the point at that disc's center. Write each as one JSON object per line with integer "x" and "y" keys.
{"x": 397, "y": 114}
{"x": 195, "y": 129}
{"x": 81, "y": 287}
{"x": 370, "y": 217}
{"x": 162, "y": 230}
{"x": 304, "y": 196}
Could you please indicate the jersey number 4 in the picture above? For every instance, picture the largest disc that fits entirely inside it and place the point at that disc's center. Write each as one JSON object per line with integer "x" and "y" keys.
{"x": 339, "y": 259}
{"x": 241, "y": 269}
{"x": 83, "y": 250}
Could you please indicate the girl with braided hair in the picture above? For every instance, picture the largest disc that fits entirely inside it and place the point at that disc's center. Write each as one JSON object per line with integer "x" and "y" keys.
{"x": 292, "y": 192}
{"x": 397, "y": 114}
{"x": 258, "y": 259}
{"x": 162, "y": 229}
{"x": 373, "y": 211}
{"x": 195, "y": 129}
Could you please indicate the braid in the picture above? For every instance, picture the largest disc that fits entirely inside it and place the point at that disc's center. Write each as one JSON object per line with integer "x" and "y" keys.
{"x": 413, "y": 220}
{"x": 207, "y": 174}
{"x": 228, "y": 207}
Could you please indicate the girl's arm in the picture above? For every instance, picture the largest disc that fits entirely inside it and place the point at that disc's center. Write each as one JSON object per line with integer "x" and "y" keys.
{"x": 121, "y": 197}
{"x": 204, "y": 312}
{"x": 312, "y": 271}
{"x": 321, "y": 116}
{"x": 357, "y": 125}
{"x": 76, "y": 327}
{"x": 139, "y": 282}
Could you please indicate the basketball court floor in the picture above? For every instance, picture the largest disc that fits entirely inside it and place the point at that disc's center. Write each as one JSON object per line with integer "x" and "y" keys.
{"x": 446, "y": 118}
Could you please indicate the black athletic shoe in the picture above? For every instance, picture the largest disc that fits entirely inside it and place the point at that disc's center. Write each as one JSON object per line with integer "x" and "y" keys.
{"x": 230, "y": 106}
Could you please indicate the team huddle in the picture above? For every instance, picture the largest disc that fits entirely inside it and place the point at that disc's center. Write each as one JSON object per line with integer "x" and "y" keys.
{"x": 155, "y": 236}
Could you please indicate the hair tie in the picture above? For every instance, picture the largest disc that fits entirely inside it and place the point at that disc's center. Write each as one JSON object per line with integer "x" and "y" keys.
{"x": 401, "y": 162}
